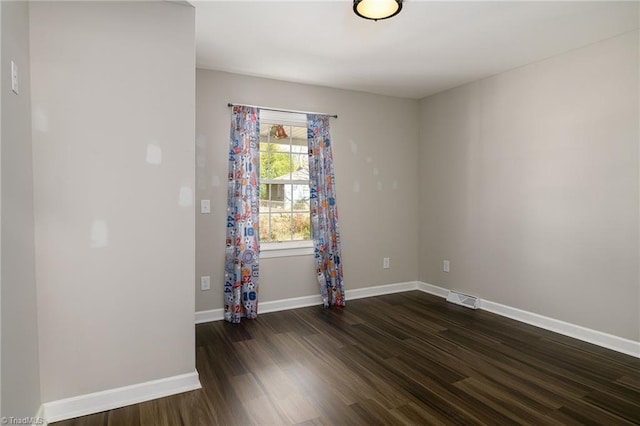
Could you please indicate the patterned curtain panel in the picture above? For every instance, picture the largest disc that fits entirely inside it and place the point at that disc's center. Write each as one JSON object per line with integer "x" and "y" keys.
{"x": 243, "y": 245}
{"x": 324, "y": 211}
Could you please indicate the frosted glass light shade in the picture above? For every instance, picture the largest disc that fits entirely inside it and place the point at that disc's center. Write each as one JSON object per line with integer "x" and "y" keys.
{"x": 377, "y": 9}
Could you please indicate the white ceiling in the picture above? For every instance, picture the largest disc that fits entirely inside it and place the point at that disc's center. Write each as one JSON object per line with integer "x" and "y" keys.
{"x": 427, "y": 48}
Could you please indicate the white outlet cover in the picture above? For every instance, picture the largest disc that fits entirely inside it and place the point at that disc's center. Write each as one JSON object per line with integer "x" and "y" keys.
{"x": 14, "y": 77}
{"x": 205, "y": 206}
{"x": 205, "y": 283}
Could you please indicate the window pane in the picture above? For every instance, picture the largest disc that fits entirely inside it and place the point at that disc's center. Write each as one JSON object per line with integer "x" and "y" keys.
{"x": 301, "y": 159}
{"x": 264, "y": 140}
{"x": 299, "y": 148}
{"x": 264, "y": 160}
{"x": 301, "y": 226}
{"x": 300, "y": 197}
{"x": 264, "y": 228}
{"x": 279, "y": 162}
{"x": 276, "y": 201}
{"x": 299, "y": 136}
{"x": 277, "y": 196}
{"x": 264, "y": 193}
{"x": 284, "y": 206}
{"x": 281, "y": 227}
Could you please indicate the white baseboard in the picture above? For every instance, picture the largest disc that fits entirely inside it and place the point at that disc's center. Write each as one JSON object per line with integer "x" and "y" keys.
{"x": 379, "y": 290}
{"x": 433, "y": 289}
{"x": 609, "y": 341}
{"x": 292, "y": 303}
{"x": 209, "y": 316}
{"x": 119, "y": 397}
{"x": 263, "y": 307}
{"x": 315, "y": 300}
{"x": 39, "y": 419}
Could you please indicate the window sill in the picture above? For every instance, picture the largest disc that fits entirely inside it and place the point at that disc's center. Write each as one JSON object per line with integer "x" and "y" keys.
{"x": 297, "y": 248}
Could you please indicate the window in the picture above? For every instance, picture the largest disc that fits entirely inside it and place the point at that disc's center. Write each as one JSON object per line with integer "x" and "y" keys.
{"x": 284, "y": 183}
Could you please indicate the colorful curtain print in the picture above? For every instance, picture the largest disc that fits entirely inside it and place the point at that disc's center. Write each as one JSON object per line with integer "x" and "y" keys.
{"x": 243, "y": 245}
{"x": 324, "y": 211}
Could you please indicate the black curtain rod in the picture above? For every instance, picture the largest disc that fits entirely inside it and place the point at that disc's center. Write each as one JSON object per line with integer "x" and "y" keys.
{"x": 284, "y": 110}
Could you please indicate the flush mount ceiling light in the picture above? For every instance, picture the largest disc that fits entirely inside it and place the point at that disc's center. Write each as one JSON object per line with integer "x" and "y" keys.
{"x": 377, "y": 9}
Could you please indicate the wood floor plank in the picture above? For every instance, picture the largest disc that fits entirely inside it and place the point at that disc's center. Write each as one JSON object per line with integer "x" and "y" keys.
{"x": 262, "y": 411}
{"x": 630, "y": 383}
{"x": 505, "y": 403}
{"x": 415, "y": 414}
{"x": 588, "y": 414}
{"x": 469, "y": 409}
{"x": 628, "y": 409}
{"x": 297, "y": 408}
{"x": 407, "y": 358}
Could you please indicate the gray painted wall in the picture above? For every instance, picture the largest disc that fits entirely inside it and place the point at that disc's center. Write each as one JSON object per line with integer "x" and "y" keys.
{"x": 113, "y": 85}
{"x": 20, "y": 366}
{"x": 530, "y": 187}
{"x": 375, "y": 141}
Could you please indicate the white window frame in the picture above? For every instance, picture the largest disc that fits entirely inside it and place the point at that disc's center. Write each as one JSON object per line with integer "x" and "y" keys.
{"x": 285, "y": 248}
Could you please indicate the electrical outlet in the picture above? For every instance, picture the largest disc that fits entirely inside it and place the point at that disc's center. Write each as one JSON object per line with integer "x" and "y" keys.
{"x": 205, "y": 283}
{"x": 445, "y": 265}
{"x": 14, "y": 77}
{"x": 385, "y": 263}
{"x": 205, "y": 206}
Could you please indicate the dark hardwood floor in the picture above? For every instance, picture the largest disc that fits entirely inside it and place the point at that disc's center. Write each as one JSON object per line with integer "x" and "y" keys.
{"x": 408, "y": 358}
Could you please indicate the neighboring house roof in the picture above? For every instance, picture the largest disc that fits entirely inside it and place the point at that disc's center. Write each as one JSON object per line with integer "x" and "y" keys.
{"x": 301, "y": 174}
